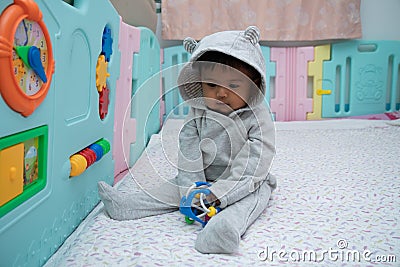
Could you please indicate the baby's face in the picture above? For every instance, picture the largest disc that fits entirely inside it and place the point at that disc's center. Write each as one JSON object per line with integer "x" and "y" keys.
{"x": 225, "y": 89}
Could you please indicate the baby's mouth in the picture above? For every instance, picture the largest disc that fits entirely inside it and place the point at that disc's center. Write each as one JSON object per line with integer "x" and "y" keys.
{"x": 218, "y": 102}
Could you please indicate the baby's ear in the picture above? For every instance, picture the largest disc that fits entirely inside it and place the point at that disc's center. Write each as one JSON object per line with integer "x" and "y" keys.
{"x": 189, "y": 44}
{"x": 252, "y": 33}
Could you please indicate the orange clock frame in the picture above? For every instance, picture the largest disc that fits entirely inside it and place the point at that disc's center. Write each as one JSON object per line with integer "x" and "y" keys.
{"x": 12, "y": 94}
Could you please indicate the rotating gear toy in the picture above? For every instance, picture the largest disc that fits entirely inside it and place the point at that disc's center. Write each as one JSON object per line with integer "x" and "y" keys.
{"x": 101, "y": 73}
{"x": 194, "y": 205}
{"x": 106, "y": 44}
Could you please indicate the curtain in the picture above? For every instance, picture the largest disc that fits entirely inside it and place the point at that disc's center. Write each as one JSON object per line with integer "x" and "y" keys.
{"x": 278, "y": 20}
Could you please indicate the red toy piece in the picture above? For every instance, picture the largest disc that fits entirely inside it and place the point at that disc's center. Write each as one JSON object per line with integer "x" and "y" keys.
{"x": 104, "y": 101}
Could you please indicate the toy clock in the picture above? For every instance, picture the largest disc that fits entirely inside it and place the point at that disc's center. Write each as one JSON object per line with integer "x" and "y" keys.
{"x": 26, "y": 58}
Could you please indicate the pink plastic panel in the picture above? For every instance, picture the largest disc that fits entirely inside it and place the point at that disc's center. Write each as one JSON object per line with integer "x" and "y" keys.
{"x": 291, "y": 101}
{"x": 129, "y": 43}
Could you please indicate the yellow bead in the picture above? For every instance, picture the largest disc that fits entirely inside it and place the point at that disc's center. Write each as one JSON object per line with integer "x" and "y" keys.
{"x": 212, "y": 212}
{"x": 78, "y": 164}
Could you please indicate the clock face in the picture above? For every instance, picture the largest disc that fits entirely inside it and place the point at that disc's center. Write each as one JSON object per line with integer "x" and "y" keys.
{"x": 26, "y": 58}
{"x": 30, "y": 57}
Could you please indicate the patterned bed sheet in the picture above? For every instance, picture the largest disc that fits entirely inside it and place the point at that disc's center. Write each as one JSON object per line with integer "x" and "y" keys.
{"x": 337, "y": 204}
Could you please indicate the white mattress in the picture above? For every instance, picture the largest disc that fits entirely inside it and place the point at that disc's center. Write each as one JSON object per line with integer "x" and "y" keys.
{"x": 338, "y": 186}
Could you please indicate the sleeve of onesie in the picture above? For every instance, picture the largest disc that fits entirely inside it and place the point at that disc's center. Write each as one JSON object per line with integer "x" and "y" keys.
{"x": 250, "y": 167}
{"x": 190, "y": 160}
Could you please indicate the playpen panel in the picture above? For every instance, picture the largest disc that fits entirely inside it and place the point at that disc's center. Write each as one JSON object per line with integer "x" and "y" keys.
{"x": 145, "y": 92}
{"x": 174, "y": 58}
{"x": 291, "y": 83}
{"x": 363, "y": 77}
{"x": 75, "y": 121}
{"x": 321, "y": 54}
{"x": 270, "y": 73}
{"x": 124, "y": 125}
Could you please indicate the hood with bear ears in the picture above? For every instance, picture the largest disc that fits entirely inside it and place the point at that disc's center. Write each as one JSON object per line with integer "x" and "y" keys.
{"x": 242, "y": 45}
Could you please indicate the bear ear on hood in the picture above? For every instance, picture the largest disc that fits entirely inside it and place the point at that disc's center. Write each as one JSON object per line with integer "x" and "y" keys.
{"x": 252, "y": 33}
{"x": 189, "y": 44}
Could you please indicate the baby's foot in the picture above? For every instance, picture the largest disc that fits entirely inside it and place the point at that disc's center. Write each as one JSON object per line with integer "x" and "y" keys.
{"x": 218, "y": 236}
{"x": 112, "y": 200}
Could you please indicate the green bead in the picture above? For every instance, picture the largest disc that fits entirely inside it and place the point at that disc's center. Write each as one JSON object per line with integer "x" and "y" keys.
{"x": 189, "y": 220}
{"x": 105, "y": 145}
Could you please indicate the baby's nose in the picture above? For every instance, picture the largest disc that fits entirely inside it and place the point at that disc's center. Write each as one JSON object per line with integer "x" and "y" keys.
{"x": 222, "y": 91}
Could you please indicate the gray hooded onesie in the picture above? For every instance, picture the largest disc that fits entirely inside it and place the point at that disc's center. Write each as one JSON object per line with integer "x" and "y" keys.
{"x": 234, "y": 152}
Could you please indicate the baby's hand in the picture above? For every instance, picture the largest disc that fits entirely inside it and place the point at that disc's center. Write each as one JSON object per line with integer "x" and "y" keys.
{"x": 212, "y": 198}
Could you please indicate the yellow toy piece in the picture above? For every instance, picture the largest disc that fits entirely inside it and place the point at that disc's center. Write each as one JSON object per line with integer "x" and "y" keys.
{"x": 78, "y": 164}
{"x": 101, "y": 73}
{"x": 323, "y": 92}
{"x": 212, "y": 211}
{"x": 11, "y": 172}
{"x": 315, "y": 69}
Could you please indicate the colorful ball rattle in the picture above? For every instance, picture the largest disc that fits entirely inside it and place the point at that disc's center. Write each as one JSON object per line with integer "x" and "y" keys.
{"x": 195, "y": 206}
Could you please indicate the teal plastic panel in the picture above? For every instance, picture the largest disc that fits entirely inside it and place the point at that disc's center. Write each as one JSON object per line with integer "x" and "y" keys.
{"x": 146, "y": 92}
{"x": 174, "y": 59}
{"x": 363, "y": 77}
{"x": 270, "y": 71}
{"x": 33, "y": 231}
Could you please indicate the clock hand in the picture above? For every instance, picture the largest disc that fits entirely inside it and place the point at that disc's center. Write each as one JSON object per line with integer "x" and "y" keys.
{"x": 30, "y": 55}
{"x": 36, "y": 63}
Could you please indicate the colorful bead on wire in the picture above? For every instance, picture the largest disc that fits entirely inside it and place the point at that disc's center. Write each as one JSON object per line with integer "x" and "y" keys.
{"x": 194, "y": 205}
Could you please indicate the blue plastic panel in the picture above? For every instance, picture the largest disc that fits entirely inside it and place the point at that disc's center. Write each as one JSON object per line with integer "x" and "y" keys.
{"x": 363, "y": 77}
{"x": 146, "y": 90}
{"x": 32, "y": 232}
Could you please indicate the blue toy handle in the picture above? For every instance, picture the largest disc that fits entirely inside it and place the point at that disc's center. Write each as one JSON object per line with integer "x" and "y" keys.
{"x": 185, "y": 206}
{"x": 200, "y": 183}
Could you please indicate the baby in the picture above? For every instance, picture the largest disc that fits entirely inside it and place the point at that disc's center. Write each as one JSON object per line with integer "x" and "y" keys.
{"x": 227, "y": 140}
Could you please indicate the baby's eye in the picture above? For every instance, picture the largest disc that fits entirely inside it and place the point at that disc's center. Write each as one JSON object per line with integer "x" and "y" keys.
{"x": 211, "y": 84}
{"x": 233, "y": 86}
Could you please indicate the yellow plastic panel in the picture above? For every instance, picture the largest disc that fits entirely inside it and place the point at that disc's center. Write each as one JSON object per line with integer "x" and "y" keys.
{"x": 11, "y": 172}
{"x": 315, "y": 69}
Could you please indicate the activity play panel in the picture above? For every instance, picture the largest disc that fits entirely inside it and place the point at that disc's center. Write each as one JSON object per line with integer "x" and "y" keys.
{"x": 53, "y": 109}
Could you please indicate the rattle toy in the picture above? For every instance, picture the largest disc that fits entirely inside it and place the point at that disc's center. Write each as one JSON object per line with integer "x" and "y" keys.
{"x": 194, "y": 205}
